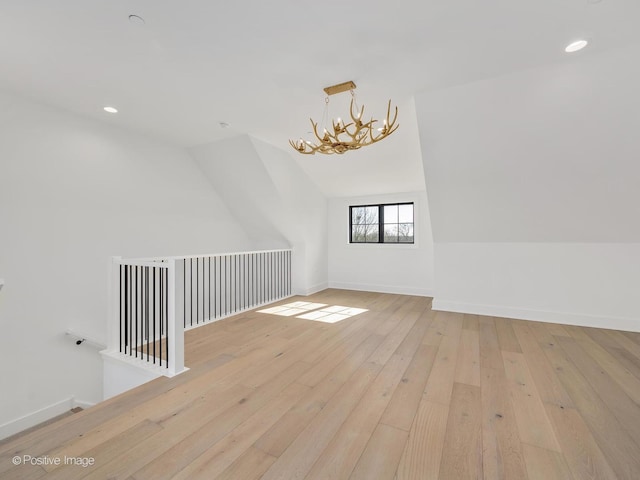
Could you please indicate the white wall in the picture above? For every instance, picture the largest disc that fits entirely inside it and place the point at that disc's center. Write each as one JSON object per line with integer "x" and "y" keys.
{"x": 72, "y": 193}
{"x": 306, "y": 213}
{"x": 542, "y": 155}
{"x": 533, "y": 187}
{"x": 576, "y": 283}
{"x": 274, "y": 200}
{"x": 406, "y": 269}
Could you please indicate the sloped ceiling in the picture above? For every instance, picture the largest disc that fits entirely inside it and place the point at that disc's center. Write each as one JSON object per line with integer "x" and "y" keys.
{"x": 261, "y": 66}
{"x": 550, "y": 154}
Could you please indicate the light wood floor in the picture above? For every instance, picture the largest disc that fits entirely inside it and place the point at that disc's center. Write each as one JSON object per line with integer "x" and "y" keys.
{"x": 398, "y": 392}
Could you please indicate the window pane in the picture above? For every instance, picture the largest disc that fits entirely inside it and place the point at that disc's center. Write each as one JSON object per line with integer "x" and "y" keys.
{"x": 372, "y": 233}
{"x": 405, "y": 232}
{"x": 405, "y": 213}
{"x": 358, "y": 233}
{"x": 391, "y": 214}
{"x": 390, "y": 233}
{"x": 371, "y": 215}
{"x": 357, "y": 215}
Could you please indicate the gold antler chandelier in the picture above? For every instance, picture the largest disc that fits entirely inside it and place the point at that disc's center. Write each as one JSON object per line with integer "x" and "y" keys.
{"x": 346, "y": 136}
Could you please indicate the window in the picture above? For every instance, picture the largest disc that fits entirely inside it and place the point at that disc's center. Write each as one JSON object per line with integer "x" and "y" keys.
{"x": 386, "y": 223}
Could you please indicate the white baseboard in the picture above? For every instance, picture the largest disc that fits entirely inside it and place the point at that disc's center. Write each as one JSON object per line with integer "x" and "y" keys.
{"x": 315, "y": 289}
{"x": 32, "y": 419}
{"x": 402, "y": 290}
{"x": 578, "y": 319}
{"x": 82, "y": 404}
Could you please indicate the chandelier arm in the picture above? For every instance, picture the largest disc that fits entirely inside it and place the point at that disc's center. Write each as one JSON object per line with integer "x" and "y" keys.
{"x": 347, "y": 136}
{"x": 395, "y": 116}
{"x": 315, "y": 131}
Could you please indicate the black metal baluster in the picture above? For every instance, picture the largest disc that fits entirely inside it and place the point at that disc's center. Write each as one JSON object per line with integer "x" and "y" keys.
{"x": 120, "y": 326}
{"x": 215, "y": 288}
{"x": 146, "y": 287}
{"x": 153, "y": 315}
{"x": 203, "y": 291}
{"x": 184, "y": 292}
{"x": 162, "y": 312}
{"x": 226, "y": 289}
{"x": 136, "y": 307}
{"x": 130, "y": 319}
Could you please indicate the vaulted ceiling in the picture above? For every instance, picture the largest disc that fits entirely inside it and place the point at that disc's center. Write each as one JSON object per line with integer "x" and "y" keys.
{"x": 261, "y": 66}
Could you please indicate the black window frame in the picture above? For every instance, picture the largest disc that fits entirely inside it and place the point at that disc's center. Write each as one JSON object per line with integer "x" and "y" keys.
{"x": 381, "y": 223}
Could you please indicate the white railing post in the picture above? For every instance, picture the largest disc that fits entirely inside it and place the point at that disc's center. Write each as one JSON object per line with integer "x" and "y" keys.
{"x": 113, "y": 307}
{"x": 175, "y": 326}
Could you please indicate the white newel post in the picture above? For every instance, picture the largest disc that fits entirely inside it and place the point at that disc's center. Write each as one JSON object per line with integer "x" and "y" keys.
{"x": 113, "y": 307}
{"x": 175, "y": 326}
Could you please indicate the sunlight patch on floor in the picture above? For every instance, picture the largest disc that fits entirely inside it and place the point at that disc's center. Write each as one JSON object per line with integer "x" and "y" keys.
{"x": 291, "y": 309}
{"x": 319, "y": 312}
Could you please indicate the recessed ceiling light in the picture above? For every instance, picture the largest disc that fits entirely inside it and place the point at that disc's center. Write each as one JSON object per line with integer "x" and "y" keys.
{"x": 111, "y": 109}
{"x": 224, "y": 125}
{"x": 575, "y": 46}
{"x": 136, "y": 20}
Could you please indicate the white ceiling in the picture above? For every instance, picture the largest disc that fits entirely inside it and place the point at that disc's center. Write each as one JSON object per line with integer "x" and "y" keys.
{"x": 261, "y": 66}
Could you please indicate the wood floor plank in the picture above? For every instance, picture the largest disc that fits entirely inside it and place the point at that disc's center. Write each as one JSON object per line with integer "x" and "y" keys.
{"x": 406, "y": 398}
{"x": 623, "y": 408}
{"x": 502, "y": 449}
{"x": 489, "y": 346}
{"x": 440, "y": 383}
{"x": 545, "y": 378}
{"x": 533, "y": 424}
{"x": 296, "y": 461}
{"x": 157, "y": 411}
{"x": 280, "y": 436}
{"x": 341, "y": 454}
{"x": 545, "y": 464}
{"x": 423, "y": 451}
{"x": 470, "y": 322}
{"x": 221, "y": 455}
{"x": 618, "y": 447}
{"x": 448, "y": 323}
{"x": 582, "y": 454}
{"x": 507, "y": 339}
{"x": 621, "y": 375}
{"x": 334, "y": 357}
{"x": 633, "y": 336}
{"x": 394, "y": 338}
{"x": 169, "y": 444}
{"x": 250, "y": 466}
{"x": 612, "y": 345}
{"x": 462, "y": 451}
{"x": 381, "y": 456}
{"x": 468, "y": 363}
{"x": 557, "y": 330}
{"x": 625, "y": 342}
